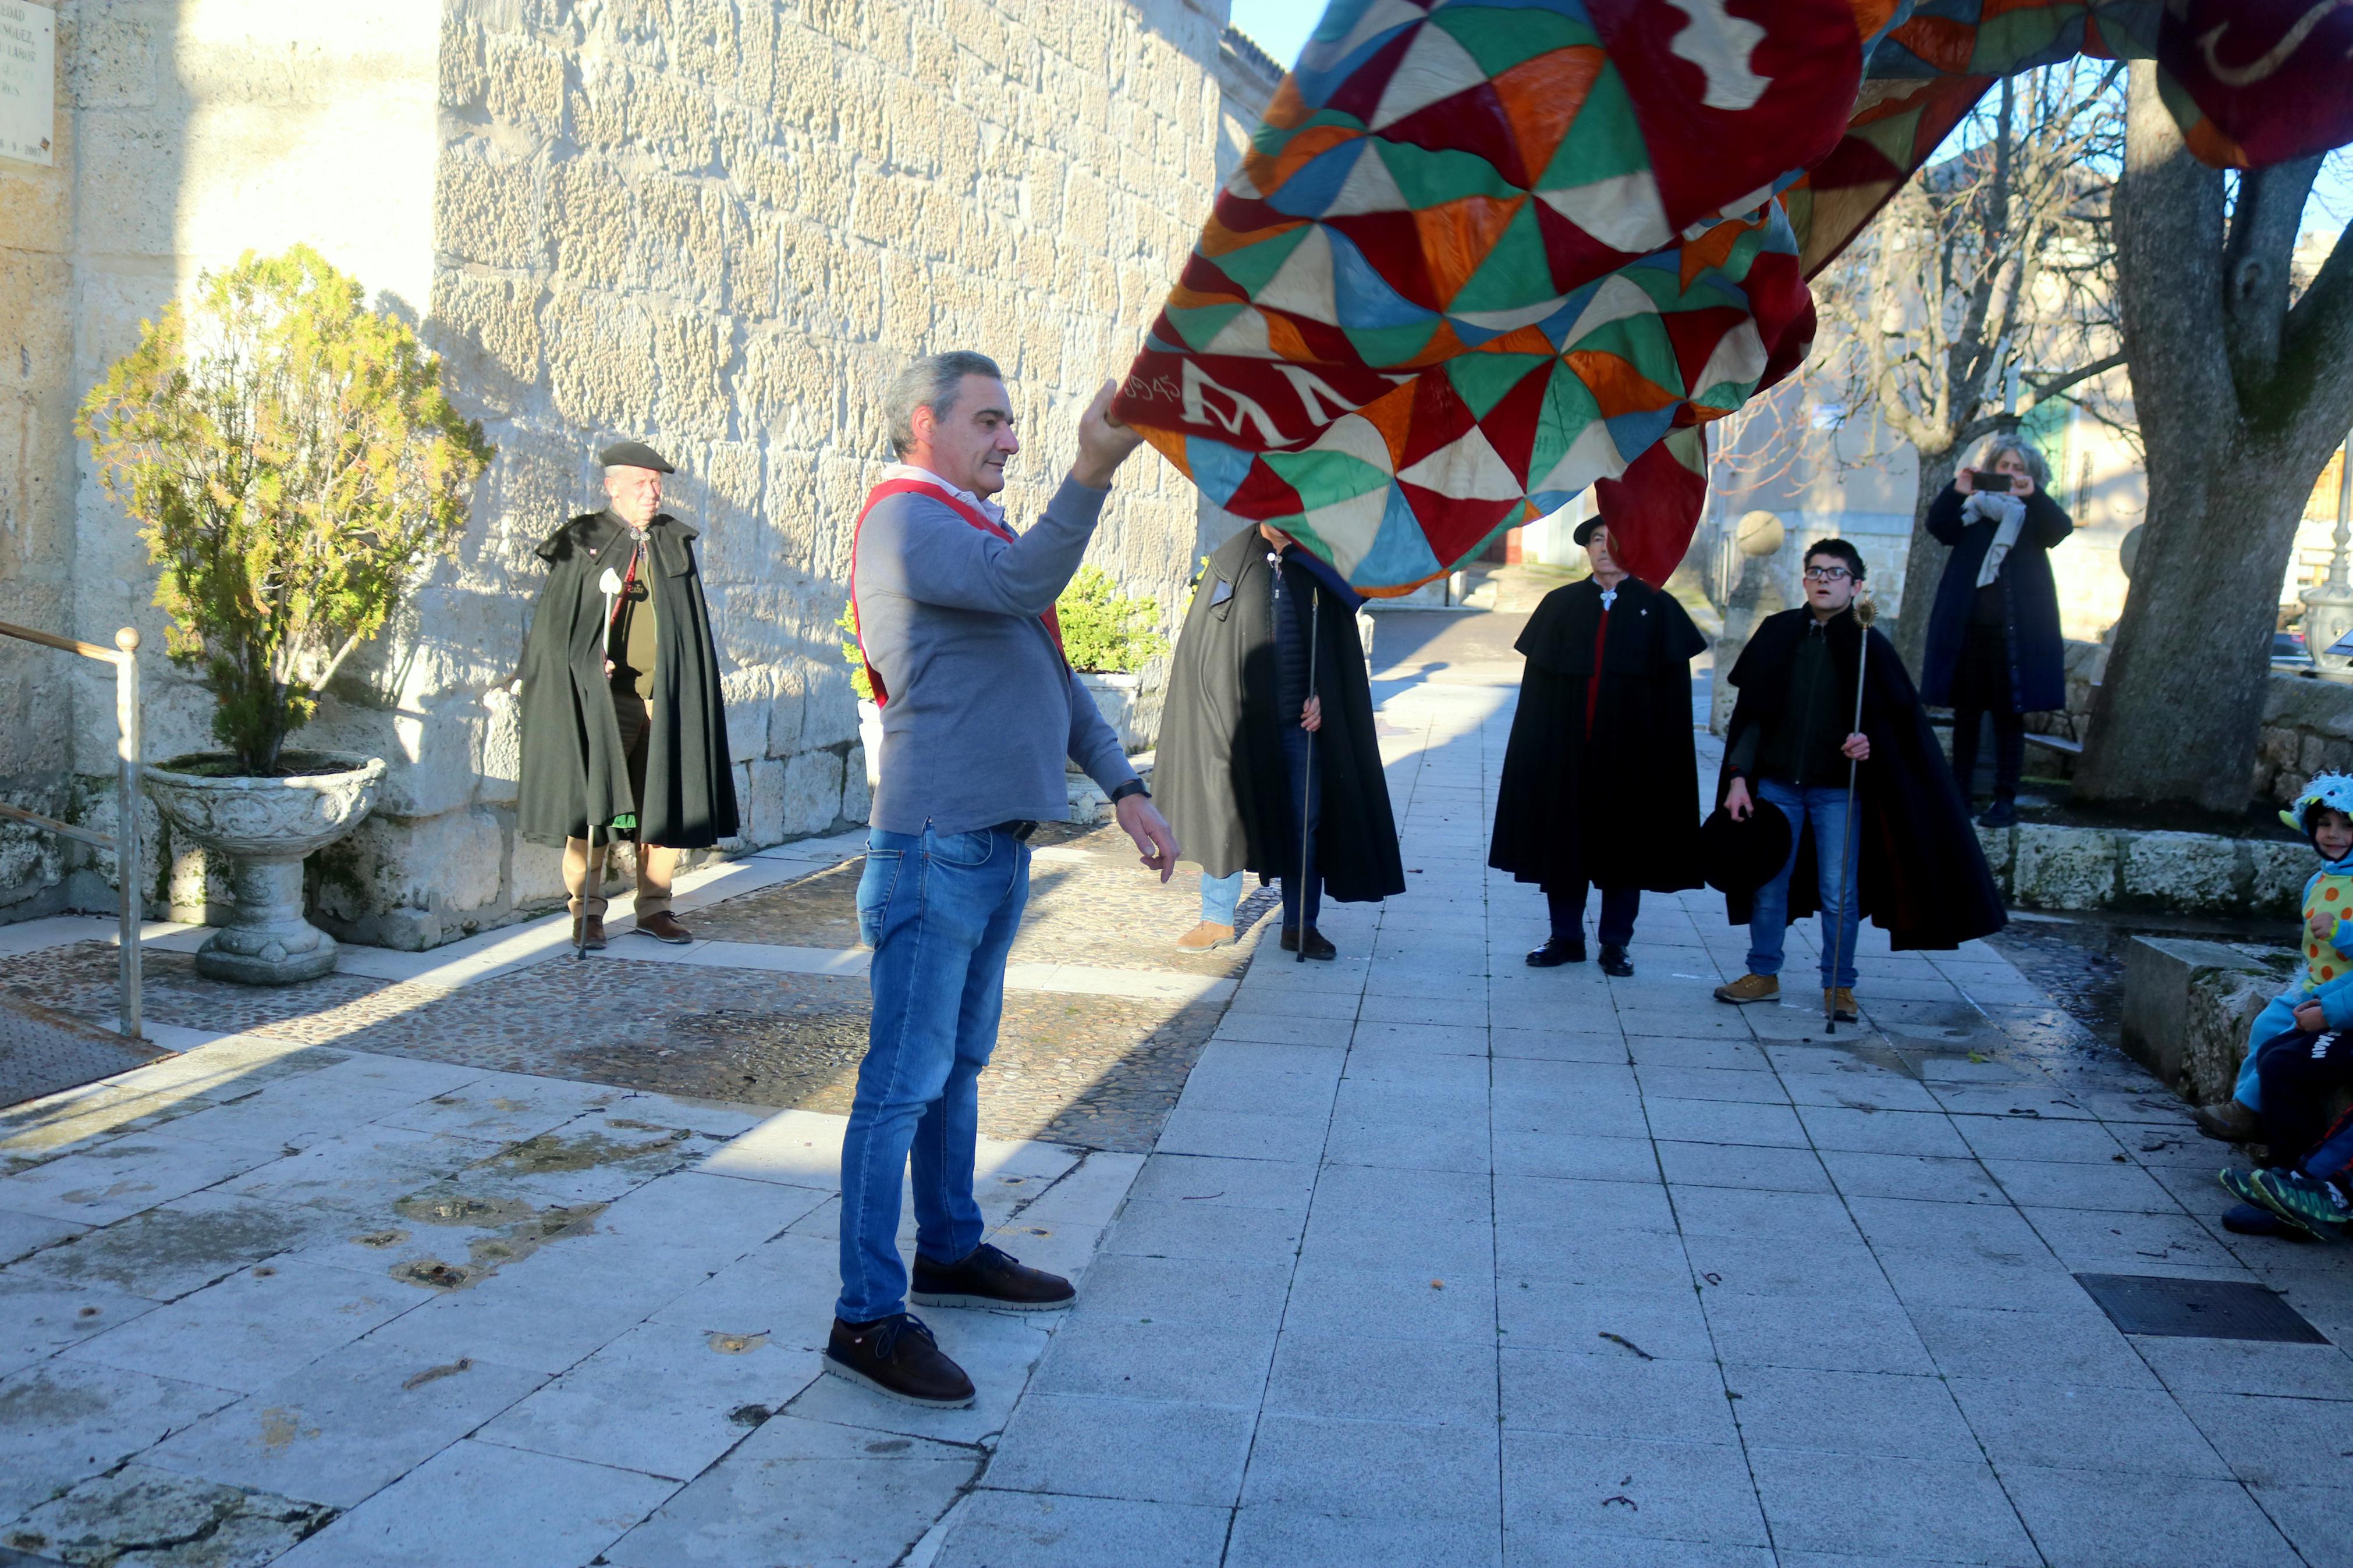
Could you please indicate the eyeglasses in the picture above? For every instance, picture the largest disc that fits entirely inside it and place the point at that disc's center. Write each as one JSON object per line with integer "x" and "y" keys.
{"x": 1827, "y": 573}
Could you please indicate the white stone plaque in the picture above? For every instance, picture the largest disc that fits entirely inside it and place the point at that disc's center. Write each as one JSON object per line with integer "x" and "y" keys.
{"x": 28, "y": 95}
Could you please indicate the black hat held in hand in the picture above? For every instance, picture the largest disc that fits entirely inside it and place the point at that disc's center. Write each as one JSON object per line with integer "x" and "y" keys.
{"x": 1742, "y": 856}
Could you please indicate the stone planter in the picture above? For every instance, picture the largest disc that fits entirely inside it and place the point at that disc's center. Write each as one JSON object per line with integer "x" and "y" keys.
{"x": 1116, "y": 696}
{"x": 870, "y": 739}
{"x": 266, "y": 826}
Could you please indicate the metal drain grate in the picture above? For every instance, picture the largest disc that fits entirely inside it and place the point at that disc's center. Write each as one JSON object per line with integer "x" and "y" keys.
{"x": 2198, "y": 1308}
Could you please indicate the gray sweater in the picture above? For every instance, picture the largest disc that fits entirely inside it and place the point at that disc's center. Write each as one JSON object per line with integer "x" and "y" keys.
{"x": 982, "y": 710}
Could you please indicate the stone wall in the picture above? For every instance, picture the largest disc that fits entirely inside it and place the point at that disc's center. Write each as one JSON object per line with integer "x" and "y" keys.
{"x": 2308, "y": 723}
{"x": 36, "y": 536}
{"x": 2043, "y": 867}
{"x": 714, "y": 225}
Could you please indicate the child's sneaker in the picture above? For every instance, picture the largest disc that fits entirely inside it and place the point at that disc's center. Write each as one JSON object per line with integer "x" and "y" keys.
{"x": 2307, "y": 1201}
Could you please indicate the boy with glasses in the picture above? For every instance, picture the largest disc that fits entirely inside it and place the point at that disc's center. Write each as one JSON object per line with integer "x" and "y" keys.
{"x": 1908, "y": 857}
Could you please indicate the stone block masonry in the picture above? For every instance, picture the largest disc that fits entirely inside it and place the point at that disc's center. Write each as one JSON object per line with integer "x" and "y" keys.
{"x": 714, "y": 225}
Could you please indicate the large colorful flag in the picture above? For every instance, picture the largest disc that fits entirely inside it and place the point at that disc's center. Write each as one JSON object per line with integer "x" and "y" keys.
{"x": 1483, "y": 254}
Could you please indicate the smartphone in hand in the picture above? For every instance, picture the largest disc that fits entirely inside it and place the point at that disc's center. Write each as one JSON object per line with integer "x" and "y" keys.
{"x": 1990, "y": 479}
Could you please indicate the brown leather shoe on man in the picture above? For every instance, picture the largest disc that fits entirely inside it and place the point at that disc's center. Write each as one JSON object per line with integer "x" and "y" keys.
{"x": 1206, "y": 936}
{"x": 898, "y": 1359}
{"x": 988, "y": 1279}
{"x": 663, "y": 926}
{"x": 1749, "y": 988}
{"x": 593, "y": 939}
{"x": 2229, "y": 1122}
{"x": 1838, "y": 1003}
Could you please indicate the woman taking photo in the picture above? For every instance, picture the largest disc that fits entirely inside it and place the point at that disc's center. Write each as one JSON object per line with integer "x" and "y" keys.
{"x": 1994, "y": 648}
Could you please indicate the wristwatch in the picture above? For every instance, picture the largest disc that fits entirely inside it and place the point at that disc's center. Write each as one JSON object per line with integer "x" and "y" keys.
{"x": 1133, "y": 786}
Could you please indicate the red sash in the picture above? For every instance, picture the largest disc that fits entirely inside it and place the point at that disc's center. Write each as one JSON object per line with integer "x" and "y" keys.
{"x": 972, "y": 515}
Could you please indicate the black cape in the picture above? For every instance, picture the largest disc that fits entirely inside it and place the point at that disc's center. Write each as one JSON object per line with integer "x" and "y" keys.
{"x": 1621, "y": 808}
{"x": 1923, "y": 878}
{"x": 1219, "y": 773}
{"x": 573, "y": 769}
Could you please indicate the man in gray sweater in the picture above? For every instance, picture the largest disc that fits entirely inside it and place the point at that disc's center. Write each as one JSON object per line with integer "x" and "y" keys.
{"x": 955, "y": 618}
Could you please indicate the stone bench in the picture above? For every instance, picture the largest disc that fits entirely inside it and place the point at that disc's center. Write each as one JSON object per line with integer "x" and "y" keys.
{"x": 2188, "y": 1005}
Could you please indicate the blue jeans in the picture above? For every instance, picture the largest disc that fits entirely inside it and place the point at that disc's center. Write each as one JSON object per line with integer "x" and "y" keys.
{"x": 2277, "y": 1018}
{"x": 1307, "y": 786}
{"x": 1824, "y": 806}
{"x": 940, "y": 911}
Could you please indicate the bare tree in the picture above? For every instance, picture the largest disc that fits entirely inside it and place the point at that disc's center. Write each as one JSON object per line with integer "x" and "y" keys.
{"x": 1981, "y": 290}
{"x": 2244, "y": 384}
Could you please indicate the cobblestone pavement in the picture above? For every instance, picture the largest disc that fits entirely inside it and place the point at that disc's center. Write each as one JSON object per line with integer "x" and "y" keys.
{"x": 1435, "y": 1260}
{"x": 1100, "y": 1071}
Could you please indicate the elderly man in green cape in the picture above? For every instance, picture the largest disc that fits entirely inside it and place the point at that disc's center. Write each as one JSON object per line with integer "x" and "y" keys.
{"x": 624, "y": 731}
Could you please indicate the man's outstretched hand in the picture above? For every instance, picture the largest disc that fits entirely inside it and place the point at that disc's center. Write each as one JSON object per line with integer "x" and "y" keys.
{"x": 1104, "y": 442}
{"x": 1141, "y": 821}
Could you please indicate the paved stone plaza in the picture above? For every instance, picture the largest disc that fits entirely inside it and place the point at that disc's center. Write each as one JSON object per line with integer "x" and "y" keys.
{"x": 1417, "y": 1257}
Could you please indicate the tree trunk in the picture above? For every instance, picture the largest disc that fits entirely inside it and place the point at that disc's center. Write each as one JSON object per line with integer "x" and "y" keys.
{"x": 1924, "y": 562}
{"x": 2240, "y": 399}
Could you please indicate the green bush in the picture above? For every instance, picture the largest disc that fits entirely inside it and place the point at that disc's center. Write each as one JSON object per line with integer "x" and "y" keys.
{"x": 847, "y": 623}
{"x": 294, "y": 467}
{"x": 1103, "y": 633}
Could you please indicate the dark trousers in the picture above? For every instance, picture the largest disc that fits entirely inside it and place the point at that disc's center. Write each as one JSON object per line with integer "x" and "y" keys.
{"x": 1307, "y": 788}
{"x": 2304, "y": 1082}
{"x": 2008, "y": 748}
{"x": 1619, "y": 908}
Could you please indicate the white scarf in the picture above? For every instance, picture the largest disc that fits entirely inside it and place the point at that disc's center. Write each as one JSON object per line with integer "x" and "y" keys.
{"x": 2007, "y": 513}
{"x": 982, "y": 504}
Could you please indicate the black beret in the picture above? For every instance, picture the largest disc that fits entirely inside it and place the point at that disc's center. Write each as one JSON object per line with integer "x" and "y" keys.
{"x": 1585, "y": 530}
{"x": 1742, "y": 856}
{"x": 634, "y": 455}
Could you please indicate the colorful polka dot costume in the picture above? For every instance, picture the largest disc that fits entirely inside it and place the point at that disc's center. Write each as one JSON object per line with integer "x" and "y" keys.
{"x": 2328, "y": 958}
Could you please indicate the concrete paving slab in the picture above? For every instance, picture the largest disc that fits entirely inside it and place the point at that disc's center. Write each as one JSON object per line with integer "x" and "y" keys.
{"x": 248, "y": 1330}
{"x": 662, "y": 1399}
{"x": 62, "y": 1421}
{"x": 345, "y": 1426}
{"x": 800, "y": 1492}
{"x": 1281, "y": 1537}
{"x": 481, "y": 1504}
{"x": 1035, "y": 1530}
{"x": 2083, "y": 1518}
{"x": 1603, "y": 1320}
{"x": 1146, "y": 1451}
{"x": 1374, "y": 1469}
{"x": 1947, "y": 1511}
{"x": 1682, "y": 1493}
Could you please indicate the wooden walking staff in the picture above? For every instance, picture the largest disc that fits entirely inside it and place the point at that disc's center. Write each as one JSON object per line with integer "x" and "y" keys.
{"x": 610, "y": 583}
{"x": 1866, "y": 612}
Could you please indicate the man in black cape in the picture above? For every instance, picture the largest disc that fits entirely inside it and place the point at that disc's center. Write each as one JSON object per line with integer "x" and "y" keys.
{"x": 1918, "y": 870}
{"x": 1600, "y": 780}
{"x": 1243, "y": 723}
{"x": 622, "y": 717}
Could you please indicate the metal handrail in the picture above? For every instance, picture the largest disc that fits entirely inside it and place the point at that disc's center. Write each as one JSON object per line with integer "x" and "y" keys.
{"x": 125, "y": 656}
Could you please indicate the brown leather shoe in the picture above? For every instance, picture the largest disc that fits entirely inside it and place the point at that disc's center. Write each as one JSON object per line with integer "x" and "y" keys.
{"x": 1750, "y": 988}
{"x": 1206, "y": 936}
{"x": 898, "y": 1359}
{"x": 594, "y": 938}
{"x": 1839, "y": 1004}
{"x": 2228, "y": 1123}
{"x": 663, "y": 926}
{"x": 988, "y": 1279}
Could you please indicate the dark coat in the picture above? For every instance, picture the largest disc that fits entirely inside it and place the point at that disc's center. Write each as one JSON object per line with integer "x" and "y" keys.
{"x": 2037, "y": 655}
{"x": 573, "y": 769}
{"x": 1219, "y": 772}
{"x": 1924, "y": 879}
{"x": 1621, "y": 808}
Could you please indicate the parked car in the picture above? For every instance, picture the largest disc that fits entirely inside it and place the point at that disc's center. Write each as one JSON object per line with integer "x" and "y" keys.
{"x": 2288, "y": 651}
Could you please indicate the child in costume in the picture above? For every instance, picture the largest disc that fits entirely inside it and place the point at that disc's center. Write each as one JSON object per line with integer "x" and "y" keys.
{"x": 2299, "y": 1056}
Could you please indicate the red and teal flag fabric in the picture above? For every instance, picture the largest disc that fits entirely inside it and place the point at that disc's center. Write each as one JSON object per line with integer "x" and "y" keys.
{"x": 1483, "y": 254}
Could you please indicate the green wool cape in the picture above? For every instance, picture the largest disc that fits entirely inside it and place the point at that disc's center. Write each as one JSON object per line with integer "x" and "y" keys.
{"x": 575, "y": 771}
